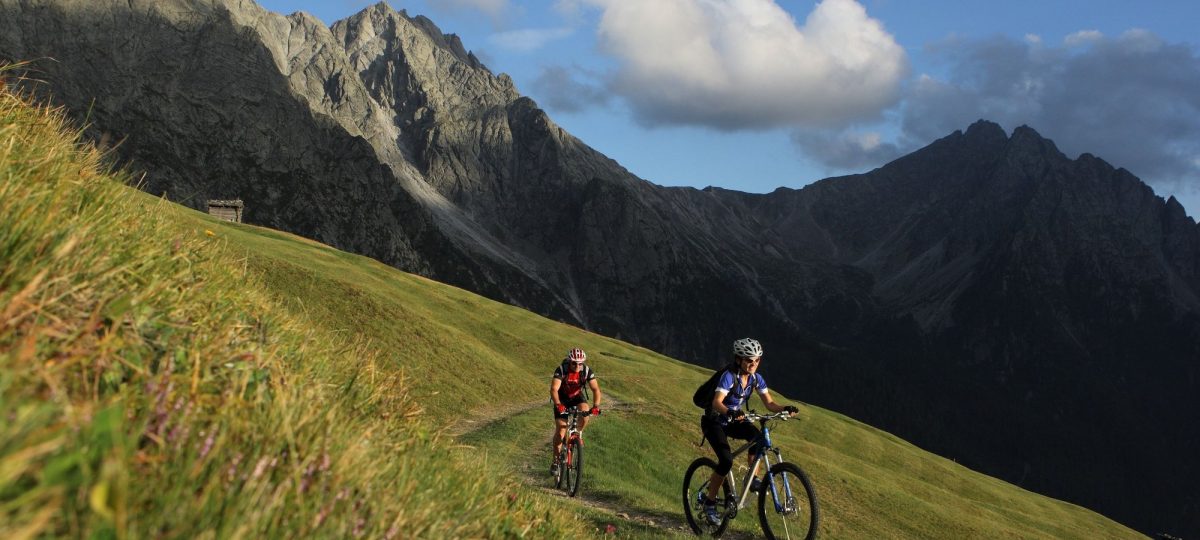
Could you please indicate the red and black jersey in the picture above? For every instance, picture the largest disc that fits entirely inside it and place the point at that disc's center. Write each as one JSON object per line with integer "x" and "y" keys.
{"x": 574, "y": 383}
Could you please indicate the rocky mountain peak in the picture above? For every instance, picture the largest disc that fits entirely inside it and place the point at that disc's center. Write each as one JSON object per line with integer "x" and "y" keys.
{"x": 953, "y": 296}
{"x": 1175, "y": 210}
{"x": 381, "y": 20}
{"x": 986, "y": 131}
{"x": 400, "y": 56}
{"x": 1025, "y": 139}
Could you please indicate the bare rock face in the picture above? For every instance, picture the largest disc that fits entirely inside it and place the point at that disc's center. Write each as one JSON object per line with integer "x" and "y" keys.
{"x": 220, "y": 99}
{"x": 1033, "y": 316}
{"x": 1051, "y": 305}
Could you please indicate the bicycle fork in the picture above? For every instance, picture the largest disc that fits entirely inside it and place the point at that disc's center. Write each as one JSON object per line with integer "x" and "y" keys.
{"x": 573, "y": 438}
{"x": 788, "y": 505}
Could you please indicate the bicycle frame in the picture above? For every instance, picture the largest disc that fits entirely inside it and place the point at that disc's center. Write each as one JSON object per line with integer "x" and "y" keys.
{"x": 573, "y": 416}
{"x": 778, "y": 481}
{"x": 570, "y": 455}
{"x": 765, "y": 449}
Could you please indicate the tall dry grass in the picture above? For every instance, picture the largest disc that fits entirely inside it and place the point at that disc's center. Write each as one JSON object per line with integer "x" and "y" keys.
{"x": 150, "y": 389}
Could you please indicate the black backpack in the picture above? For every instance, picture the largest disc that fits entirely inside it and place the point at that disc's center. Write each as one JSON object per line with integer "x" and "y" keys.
{"x": 704, "y": 395}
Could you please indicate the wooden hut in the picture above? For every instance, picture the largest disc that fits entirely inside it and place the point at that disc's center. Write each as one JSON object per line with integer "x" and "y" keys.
{"x": 228, "y": 210}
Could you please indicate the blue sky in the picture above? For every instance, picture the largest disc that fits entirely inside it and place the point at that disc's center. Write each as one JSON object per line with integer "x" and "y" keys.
{"x": 758, "y": 94}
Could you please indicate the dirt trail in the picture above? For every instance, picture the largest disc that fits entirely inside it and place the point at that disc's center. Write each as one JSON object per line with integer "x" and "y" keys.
{"x": 536, "y": 477}
{"x": 479, "y": 419}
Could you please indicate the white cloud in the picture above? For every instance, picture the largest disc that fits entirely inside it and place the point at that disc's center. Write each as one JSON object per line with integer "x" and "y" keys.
{"x": 1130, "y": 100}
{"x": 529, "y": 39}
{"x": 868, "y": 141}
{"x": 845, "y": 151}
{"x": 746, "y": 64}
{"x": 1139, "y": 40}
{"x": 569, "y": 89}
{"x": 1083, "y": 37}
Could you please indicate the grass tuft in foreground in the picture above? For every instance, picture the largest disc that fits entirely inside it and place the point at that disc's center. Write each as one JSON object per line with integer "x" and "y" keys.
{"x": 149, "y": 389}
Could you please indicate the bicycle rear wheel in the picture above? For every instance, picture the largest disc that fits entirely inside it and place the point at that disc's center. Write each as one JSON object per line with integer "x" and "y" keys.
{"x": 695, "y": 486}
{"x": 787, "y": 504}
{"x": 575, "y": 468}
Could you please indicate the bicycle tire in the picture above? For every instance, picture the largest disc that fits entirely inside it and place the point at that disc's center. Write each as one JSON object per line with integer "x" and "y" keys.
{"x": 777, "y": 525}
{"x": 576, "y": 473}
{"x": 566, "y": 469}
{"x": 562, "y": 466}
{"x": 695, "y": 479}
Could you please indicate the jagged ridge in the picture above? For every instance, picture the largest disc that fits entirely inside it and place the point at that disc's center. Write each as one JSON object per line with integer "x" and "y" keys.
{"x": 975, "y": 283}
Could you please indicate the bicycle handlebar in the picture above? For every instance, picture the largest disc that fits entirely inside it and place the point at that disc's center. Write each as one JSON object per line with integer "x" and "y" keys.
{"x": 581, "y": 412}
{"x": 755, "y": 417}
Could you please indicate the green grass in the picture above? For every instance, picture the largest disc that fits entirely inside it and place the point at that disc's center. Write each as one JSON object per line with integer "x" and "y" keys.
{"x": 133, "y": 332}
{"x": 871, "y": 483}
{"x": 151, "y": 389}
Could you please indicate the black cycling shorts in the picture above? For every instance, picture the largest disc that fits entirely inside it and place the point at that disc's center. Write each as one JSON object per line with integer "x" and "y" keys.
{"x": 568, "y": 403}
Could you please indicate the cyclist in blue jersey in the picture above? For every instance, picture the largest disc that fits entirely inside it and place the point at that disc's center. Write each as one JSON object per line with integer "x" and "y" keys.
{"x": 568, "y": 388}
{"x": 725, "y": 416}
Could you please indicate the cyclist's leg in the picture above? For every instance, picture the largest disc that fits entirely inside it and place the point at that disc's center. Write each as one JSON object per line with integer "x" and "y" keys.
{"x": 715, "y": 433}
{"x": 748, "y": 432}
{"x": 560, "y": 431}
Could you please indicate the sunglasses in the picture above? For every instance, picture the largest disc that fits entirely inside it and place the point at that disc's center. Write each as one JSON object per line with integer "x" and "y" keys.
{"x": 752, "y": 360}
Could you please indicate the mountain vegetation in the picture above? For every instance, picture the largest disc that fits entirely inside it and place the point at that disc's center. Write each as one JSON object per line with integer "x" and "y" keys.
{"x": 1031, "y": 315}
{"x": 166, "y": 374}
{"x": 152, "y": 387}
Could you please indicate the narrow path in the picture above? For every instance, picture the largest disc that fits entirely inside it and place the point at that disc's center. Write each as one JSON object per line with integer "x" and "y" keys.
{"x": 537, "y": 478}
{"x": 480, "y": 419}
{"x": 477, "y": 420}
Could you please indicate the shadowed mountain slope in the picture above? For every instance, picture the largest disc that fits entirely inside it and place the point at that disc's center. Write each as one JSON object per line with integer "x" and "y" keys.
{"x": 987, "y": 297}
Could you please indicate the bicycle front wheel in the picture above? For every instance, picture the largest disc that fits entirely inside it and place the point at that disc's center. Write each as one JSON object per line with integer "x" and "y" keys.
{"x": 695, "y": 486}
{"x": 560, "y": 475}
{"x": 787, "y": 504}
{"x": 576, "y": 468}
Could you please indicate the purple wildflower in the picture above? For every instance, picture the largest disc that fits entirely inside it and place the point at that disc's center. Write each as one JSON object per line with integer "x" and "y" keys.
{"x": 231, "y": 474}
{"x": 208, "y": 443}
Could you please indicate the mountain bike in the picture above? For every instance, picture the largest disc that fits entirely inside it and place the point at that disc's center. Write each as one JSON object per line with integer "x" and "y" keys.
{"x": 570, "y": 459}
{"x": 787, "y": 503}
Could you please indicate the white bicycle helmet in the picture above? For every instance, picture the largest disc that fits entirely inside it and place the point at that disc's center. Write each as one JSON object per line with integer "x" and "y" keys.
{"x": 747, "y": 348}
{"x": 577, "y": 355}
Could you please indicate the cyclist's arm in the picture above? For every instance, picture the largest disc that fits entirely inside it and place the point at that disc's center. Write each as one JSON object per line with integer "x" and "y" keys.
{"x": 555, "y": 384}
{"x": 595, "y": 386}
{"x": 717, "y": 403}
{"x": 769, "y": 402}
{"x": 724, "y": 386}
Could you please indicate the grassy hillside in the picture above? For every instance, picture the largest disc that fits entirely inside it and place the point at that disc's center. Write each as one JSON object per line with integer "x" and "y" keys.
{"x": 166, "y": 374}
{"x": 150, "y": 388}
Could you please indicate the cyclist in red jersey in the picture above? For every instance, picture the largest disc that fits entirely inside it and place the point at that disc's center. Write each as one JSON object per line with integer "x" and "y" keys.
{"x": 568, "y": 388}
